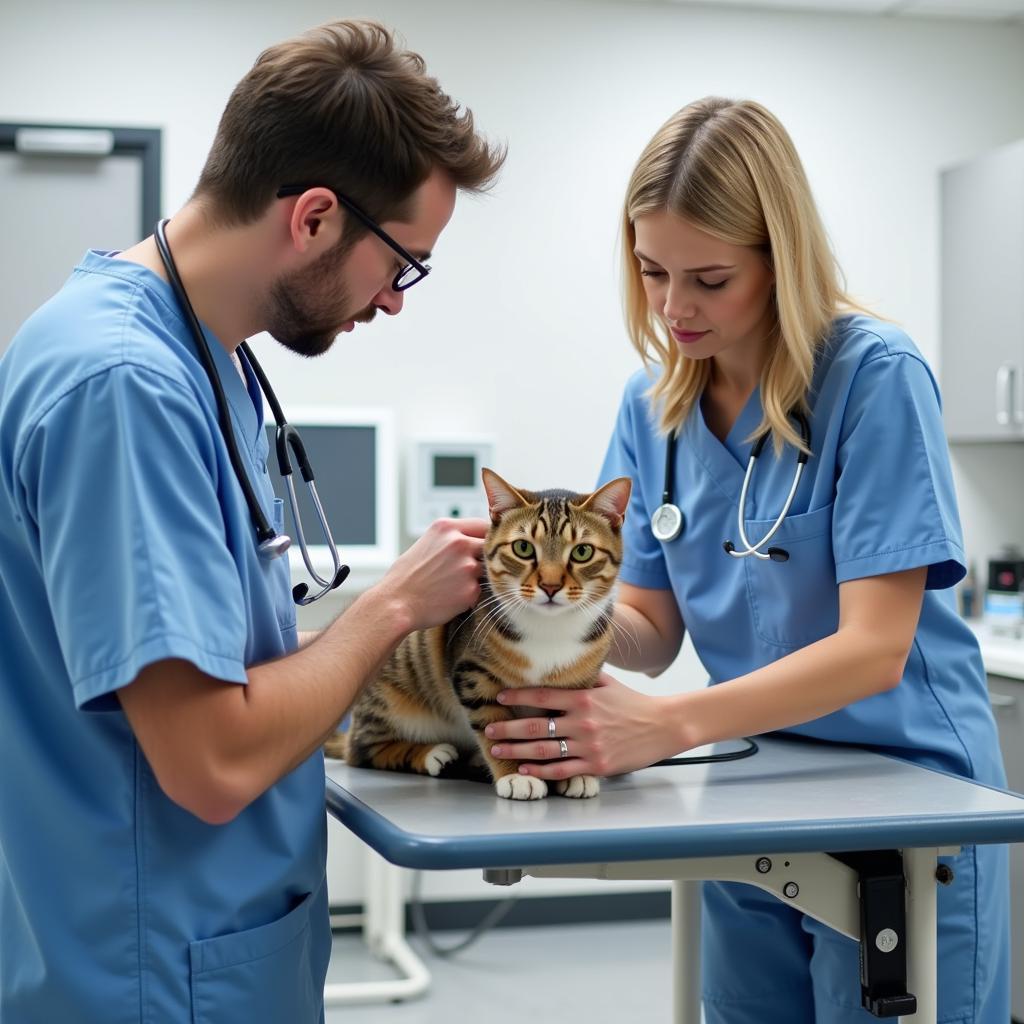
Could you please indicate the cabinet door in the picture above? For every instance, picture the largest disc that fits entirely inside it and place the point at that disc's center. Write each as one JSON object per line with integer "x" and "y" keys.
{"x": 982, "y": 288}
{"x": 1007, "y": 696}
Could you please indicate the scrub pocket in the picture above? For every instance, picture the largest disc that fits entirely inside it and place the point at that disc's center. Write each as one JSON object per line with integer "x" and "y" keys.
{"x": 794, "y": 603}
{"x": 281, "y": 569}
{"x": 263, "y": 974}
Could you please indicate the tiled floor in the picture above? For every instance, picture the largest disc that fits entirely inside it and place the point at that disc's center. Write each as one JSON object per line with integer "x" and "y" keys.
{"x": 578, "y": 974}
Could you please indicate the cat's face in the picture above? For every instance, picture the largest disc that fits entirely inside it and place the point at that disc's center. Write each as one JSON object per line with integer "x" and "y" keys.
{"x": 553, "y": 551}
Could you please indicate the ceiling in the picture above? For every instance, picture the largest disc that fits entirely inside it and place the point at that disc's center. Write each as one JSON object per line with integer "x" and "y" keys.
{"x": 983, "y": 10}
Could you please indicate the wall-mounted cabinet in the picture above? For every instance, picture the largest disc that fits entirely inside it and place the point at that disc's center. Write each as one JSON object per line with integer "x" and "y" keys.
{"x": 982, "y": 286}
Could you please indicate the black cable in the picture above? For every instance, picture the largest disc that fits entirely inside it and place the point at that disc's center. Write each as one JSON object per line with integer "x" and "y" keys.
{"x": 731, "y": 755}
{"x": 419, "y": 920}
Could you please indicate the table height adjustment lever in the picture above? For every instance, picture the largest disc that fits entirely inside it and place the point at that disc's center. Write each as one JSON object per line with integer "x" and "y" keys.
{"x": 883, "y": 932}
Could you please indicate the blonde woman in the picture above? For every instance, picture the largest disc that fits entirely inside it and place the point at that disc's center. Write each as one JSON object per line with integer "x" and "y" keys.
{"x": 838, "y": 625}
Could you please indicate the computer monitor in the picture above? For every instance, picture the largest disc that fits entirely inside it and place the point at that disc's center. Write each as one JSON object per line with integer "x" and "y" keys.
{"x": 353, "y": 456}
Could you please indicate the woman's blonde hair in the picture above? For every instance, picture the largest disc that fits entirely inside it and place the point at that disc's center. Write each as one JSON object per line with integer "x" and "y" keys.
{"x": 730, "y": 169}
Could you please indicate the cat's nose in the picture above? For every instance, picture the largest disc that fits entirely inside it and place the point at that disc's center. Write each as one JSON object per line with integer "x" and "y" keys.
{"x": 551, "y": 588}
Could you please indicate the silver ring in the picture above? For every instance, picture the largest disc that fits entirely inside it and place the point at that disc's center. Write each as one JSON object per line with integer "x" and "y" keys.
{"x": 563, "y": 748}
{"x": 551, "y": 728}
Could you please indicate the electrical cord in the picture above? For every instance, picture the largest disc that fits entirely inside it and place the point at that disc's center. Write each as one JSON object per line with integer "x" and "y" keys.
{"x": 419, "y": 921}
{"x": 729, "y": 755}
{"x": 498, "y": 912}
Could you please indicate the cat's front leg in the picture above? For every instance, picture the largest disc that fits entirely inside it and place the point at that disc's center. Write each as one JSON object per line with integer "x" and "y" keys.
{"x": 477, "y": 690}
{"x": 578, "y": 786}
{"x": 514, "y": 786}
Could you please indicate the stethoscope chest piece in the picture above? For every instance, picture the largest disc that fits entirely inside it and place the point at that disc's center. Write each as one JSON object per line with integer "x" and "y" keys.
{"x": 667, "y": 522}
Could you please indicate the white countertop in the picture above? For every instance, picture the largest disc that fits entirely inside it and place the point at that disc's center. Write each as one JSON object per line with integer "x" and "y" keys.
{"x": 1002, "y": 655}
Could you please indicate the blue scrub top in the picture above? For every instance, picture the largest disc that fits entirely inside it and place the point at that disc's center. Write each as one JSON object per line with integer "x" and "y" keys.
{"x": 876, "y": 497}
{"x": 125, "y": 539}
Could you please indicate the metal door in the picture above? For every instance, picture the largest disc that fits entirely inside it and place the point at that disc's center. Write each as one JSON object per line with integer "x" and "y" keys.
{"x": 63, "y": 191}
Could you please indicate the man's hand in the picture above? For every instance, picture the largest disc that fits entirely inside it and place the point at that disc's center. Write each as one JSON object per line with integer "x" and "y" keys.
{"x": 439, "y": 576}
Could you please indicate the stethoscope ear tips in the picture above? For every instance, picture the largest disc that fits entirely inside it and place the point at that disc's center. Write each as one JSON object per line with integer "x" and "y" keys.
{"x": 728, "y": 547}
{"x": 778, "y": 554}
{"x": 300, "y": 590}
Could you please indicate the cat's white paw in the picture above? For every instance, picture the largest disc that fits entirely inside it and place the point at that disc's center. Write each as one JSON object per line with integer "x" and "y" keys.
{"x": 579, "y": 786}
{"x": 521, "y": 787}
{"x": 437, "y": 757}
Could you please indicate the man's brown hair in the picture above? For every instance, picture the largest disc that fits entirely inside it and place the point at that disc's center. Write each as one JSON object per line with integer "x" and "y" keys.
{"x": 344, "y": 107}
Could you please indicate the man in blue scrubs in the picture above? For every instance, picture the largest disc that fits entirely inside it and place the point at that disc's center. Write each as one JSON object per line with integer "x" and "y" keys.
{"x": 162, "y": 826}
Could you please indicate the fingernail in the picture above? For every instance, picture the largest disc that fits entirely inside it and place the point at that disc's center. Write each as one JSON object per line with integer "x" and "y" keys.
{"x": 523, "y": 770}
{"x": 489, "y": 731}
{"x": 500, "y": 698}
{"x": 496, "y": 751}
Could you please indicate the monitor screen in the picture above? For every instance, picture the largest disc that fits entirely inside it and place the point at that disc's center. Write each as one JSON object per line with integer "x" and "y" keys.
{"x": 454, "y": 471}
{"x": 343, "y": 460}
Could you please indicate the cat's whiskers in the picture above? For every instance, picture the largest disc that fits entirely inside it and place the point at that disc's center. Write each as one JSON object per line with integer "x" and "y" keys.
{"x": 490, "y": 619}
{"x": 589, "y": 603}
{"x": 514, "y": 603}
{"x": 484, "y": 604}
{"x": 620, "y": 628}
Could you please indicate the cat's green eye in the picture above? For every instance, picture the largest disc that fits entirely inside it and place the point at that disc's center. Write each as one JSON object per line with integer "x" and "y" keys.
{"x": 522, "y": 548}
{"x": 582, "y": 553}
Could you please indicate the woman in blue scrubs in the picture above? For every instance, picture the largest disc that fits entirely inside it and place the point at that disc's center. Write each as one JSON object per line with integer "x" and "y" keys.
{"x": 735, "y": 305}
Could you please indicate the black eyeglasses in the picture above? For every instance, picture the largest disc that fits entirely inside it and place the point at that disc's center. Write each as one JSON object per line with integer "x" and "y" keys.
{"x": 412, "y": 273}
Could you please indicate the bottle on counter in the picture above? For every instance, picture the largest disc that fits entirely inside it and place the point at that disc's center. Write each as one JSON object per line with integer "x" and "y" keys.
{"x": 1004, "y": 594}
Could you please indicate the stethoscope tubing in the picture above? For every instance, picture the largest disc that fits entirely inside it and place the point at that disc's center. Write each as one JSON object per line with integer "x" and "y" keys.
{"x": 754, "y": 549}
{"x": 270, "y": 544}
{"x": 667, "y": 521}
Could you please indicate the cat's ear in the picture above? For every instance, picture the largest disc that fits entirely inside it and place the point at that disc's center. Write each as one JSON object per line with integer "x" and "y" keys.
{"x": 502, "y": 497}
{"x": 610, "y": 501}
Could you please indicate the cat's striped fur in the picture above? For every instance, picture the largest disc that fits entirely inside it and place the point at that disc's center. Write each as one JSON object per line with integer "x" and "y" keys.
{"x": 543, "y": 618}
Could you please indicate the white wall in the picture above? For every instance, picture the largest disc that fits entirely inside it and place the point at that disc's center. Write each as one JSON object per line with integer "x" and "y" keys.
{"x": 518, "y": 332}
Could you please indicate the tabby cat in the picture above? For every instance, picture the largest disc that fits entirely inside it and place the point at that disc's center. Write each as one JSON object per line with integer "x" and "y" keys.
{"x": 543, "y": 618}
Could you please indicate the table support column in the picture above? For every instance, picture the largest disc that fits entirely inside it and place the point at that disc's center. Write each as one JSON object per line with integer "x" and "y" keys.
{"x": 919, "y": 868}
{"x": 686, "y": 901}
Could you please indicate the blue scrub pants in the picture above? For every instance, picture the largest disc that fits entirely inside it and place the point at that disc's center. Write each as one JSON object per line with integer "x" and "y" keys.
{"x": 766, "y": 963}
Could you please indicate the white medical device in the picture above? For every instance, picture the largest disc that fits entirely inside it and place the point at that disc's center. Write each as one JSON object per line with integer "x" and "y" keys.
{"x": 444, "y": 480}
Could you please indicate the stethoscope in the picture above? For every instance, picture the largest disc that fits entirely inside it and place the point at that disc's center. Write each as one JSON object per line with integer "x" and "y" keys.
{"x": 269, "y": 542}
{"x": 667, "y": 521}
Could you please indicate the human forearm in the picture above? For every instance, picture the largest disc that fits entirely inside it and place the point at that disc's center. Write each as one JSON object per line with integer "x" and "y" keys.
{"x": 647, "y": 630}
{"x": 214, "y": 747}
{"x": 293, "y": 704}
{"x": 307, "y": 636}
{"x": 850, "y": 665}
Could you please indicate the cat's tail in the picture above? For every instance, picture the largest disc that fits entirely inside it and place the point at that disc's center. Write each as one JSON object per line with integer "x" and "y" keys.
{"x": 337, "y": 746}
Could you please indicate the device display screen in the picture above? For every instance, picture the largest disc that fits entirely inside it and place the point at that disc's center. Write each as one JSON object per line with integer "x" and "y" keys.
{"x": 454, "y": 471}
{"x": 344, "y": 458}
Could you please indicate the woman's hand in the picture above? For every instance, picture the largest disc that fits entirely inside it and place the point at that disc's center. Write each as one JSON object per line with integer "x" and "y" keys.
{"x": 608, "y": 730}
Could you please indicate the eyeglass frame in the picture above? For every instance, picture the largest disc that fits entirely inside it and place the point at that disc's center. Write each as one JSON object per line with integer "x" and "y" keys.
{"x": 397, "y": 285}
